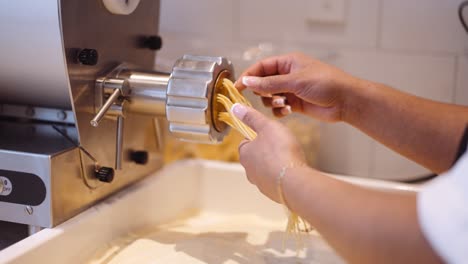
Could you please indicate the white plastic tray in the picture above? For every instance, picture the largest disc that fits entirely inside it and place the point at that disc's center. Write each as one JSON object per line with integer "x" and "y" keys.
{"x": 194, "y": 190}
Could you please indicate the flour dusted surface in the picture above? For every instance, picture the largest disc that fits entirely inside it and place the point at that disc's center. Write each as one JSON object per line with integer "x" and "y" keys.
{"x": 215, "y": 238}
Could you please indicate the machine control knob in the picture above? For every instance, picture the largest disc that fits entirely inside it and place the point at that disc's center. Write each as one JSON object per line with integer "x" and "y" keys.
{"x": 153, "y": 42}
{"x": 88, "y": 57}
{"x": 139, "y": 157}
{"x": 105, "y": 174}
{"x": 191, "y": 96}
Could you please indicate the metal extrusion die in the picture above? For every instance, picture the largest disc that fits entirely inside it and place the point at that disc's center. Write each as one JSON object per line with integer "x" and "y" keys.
{"x": 191, "y": 106}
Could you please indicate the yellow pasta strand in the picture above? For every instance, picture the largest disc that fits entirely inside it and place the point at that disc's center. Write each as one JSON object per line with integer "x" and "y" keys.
{"x": 234, "y": 94}
{"x": 233, "y": 121}
{"x": 293, "y": 226}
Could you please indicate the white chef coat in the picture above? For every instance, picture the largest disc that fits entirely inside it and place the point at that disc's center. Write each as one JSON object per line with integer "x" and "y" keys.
{"x": 443, "y": 212}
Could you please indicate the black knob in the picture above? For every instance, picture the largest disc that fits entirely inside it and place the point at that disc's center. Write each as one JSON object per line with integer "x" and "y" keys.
{"x": 88, "y": 57}
{"x": 139, "y": 157}
{"x": 153, "y": 42}
{"x": 105, "y": 174}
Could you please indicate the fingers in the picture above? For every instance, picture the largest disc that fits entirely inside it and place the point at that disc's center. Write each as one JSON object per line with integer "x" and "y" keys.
{"x": 269, "y": 85}
{"x": 251, "y": 117}
{"x": 282, "y": 111}
{"x": 267, "y": 101}
{"x": 276, "y": 65}
{"x": 245, "y": 157}
{"x": 274, "y": 101}
{"x": 269, "y": 66}
{"x": 279, "y": 103}
{"x": 243, "y": 143}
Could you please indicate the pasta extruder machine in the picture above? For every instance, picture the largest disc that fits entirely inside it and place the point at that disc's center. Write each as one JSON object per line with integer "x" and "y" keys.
{"x": 82, "y": 113}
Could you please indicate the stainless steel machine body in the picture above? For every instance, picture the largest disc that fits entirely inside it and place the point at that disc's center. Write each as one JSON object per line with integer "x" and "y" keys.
{"x": 82, "y": 113}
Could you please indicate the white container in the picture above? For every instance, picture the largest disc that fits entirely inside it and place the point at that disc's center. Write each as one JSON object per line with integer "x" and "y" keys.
{"x": 203, "y": 190}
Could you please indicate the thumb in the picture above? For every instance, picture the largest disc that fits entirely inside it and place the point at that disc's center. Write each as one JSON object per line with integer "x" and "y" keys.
{"x": 269, "y": 84}
{"x": 251, "y": 117}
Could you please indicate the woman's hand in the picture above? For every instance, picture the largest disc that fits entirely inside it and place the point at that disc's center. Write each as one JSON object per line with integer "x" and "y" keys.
{"x": 273, "y": 148}
{"x": 308, "y": 86}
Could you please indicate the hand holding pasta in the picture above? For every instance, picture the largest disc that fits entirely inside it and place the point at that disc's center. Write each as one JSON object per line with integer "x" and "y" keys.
{"x": 228, "y": 117}
{"x": 295, "y": 82}
{"x": 267, "y": 157}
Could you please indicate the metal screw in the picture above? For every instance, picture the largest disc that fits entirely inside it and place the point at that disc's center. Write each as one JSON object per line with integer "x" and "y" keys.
{"x": 29, "y": 210}
{"x": 153, "y": 42}
{"x": 139, "y": 157}
{"x": 88, "y": 57}
{"x": 61, "y": 115}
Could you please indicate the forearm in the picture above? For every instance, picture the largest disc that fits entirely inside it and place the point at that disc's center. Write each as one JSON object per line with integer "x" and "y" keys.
{"x": 425, "y": 131}
{"x": 364, "y": 226}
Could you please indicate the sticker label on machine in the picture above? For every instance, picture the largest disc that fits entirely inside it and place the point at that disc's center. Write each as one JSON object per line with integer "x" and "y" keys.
{"x": 21, "y": 188}
{"x": 5, "y": 186}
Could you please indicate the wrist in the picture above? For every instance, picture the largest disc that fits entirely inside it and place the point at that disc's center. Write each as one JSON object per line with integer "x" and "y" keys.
{"x": 293, "y": 182}
{"x": 356, "y": 100}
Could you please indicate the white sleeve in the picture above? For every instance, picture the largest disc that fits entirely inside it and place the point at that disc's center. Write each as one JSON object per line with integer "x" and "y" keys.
{"x": 443, "y": 213}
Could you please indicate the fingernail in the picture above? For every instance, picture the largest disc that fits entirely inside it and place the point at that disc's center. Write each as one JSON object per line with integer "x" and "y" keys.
{"x": 286, "y": 110}
{"x": 239, "y": 110}
{"x": 250, "y": 80}
{"x": 278, "y": 102}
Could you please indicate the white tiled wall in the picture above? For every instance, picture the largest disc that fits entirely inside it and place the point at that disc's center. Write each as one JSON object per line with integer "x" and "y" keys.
{"x": 422, "y": 26}
{"x": 288, "y": 21}
{"x": 417, "y": 46}
{"x": 208, "y": 18}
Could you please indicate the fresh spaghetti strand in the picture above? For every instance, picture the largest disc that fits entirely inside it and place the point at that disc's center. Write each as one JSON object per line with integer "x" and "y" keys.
{"x": 226, "y": 118}
{"x": 233, "y": 96}
{"x": 232, "y": 120}
{"x": 293, "y": 227}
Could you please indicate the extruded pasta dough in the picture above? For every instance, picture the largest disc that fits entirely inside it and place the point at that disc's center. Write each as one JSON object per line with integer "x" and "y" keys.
{"x": 234, "y": 96}
{"x": 227, "y": 117}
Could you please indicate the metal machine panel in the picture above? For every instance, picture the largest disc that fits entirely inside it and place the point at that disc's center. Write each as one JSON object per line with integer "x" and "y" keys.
{"x": 32, "y": 70}
{"x": 43, "y": 80}
{"x": 82, "y": 113}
